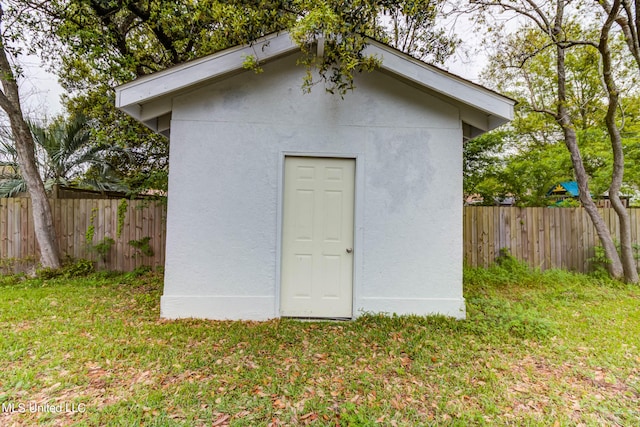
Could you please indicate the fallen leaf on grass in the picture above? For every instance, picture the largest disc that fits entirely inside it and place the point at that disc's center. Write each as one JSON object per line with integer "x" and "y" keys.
{"x": 223, "y": 420}
{"x": 520, "y": 389}
{"x": 309, "y": 416}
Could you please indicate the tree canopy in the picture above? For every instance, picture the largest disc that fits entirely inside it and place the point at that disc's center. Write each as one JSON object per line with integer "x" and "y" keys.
{"x": 528, "y": 157}
{"x": 556, "y": 31}
{"x": 94, "y": 45}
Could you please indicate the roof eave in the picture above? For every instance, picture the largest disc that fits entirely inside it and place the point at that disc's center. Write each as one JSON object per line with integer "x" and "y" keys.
{"x": 148, "y": 99}
{"x": 497, "y": 109}
{"x": 131, "y": 96}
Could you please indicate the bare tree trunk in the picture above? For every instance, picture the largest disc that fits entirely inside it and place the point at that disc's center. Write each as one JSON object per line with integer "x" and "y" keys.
{"x": 42, "y": 217}
{"x": 627, "y": 18}
{"x": 553, "y": 27}
{"x": 628, "y": 261}
{"x": 564, "y": 120}
{"x": 614, "y": 267}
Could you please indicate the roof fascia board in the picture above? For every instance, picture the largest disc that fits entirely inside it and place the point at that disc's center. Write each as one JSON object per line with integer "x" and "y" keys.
{"x": 150, "y": 97}
{"x": 193, "y": 72}
{"x": 442, "y": 82}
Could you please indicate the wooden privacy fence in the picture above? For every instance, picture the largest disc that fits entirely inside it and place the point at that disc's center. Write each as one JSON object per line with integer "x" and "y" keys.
{"x": 542, "y": 237}
{"x": 84, "y": 228}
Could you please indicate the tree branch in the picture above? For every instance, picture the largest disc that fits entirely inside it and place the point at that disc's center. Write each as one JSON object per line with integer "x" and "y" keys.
{"x": 543, "y": 23}
{"x": 161, "y": 35}
{"x": 545, "y": 111}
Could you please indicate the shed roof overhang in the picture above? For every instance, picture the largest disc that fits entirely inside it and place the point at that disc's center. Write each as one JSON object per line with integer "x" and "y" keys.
{"x": 149, "y": 99}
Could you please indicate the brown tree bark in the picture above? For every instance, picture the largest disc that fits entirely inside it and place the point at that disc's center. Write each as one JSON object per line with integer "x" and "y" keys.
{"x": 563, "y": 118}
{"x": 42, "y": 216}
{"x": 628, "y": 261}
{"x": 551, "y": 23}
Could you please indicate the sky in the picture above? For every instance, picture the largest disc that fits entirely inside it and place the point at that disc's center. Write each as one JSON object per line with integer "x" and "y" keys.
{"x": 39, "y": 90}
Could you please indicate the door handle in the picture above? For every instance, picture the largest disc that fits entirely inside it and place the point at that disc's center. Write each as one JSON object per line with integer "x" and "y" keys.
{"x": 349, "y": 250}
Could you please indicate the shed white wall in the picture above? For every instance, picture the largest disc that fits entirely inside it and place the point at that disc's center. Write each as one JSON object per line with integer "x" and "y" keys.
{"x": 228, "y": 142}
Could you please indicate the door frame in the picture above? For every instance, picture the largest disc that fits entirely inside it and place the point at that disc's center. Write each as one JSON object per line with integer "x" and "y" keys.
{"x": 358, "y": 203}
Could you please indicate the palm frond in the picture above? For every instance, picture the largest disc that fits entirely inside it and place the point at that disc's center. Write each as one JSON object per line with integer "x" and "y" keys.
{"x": 12, "y": 186}
{"x": 72, "y": 136}
{"x": 8, "y": 152}
{"x": 112, "y": 184}
{"x": 70, "y": 153}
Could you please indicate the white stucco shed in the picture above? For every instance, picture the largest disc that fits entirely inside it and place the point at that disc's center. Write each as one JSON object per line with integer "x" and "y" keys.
{"x": 309, "y": 205}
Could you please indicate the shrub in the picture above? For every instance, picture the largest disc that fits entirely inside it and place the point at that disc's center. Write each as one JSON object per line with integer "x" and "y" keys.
{"x": 71, "y": 268}
{"x": 80, "y": 268}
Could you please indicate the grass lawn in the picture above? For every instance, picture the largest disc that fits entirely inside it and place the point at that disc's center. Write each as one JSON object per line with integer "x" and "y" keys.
{"x": 552, "y": 349}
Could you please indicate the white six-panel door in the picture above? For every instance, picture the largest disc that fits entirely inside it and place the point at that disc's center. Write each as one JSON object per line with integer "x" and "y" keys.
{"x": 317, "y": 237}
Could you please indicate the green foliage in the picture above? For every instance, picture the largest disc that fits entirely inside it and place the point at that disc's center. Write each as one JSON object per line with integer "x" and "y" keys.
{"x": 94, "y": 46}
{"x": 71, "y": 269}
{"x": 140, "y": 271}
{"x": 506, "y": 271}
{"x": 142, "y": 245}
{"x": 511, "y": 264}
{"x": 482, "y": 159}
{"x": 251, "y": 63}
{"x": 351, "y": 416}
{"x": 7, "y": 280}
{"x": 523, "y": 171}
{"x": 79, "y": 268}
{"x": 103, "y": 247}
{"x": 531, "y": 156}
{"x": 9, "y": 265}
{"x": 66, "y": 155}
{"x": 140, "y": 159}
{"x": 342, "y": 31}
{"x": 91, "y": 229}
{"x": 414, "y": 29}
{"x": 98, "y": 45}
{"x": 531, "y": 292}
{"x": 496, "y": 314}
{"x": 599, "y": 261}
{"x": 11, "y": 181}
{"x": 567, "y": 203}
{"x": 48, "y": 273}
{"x": 122, "y": 213}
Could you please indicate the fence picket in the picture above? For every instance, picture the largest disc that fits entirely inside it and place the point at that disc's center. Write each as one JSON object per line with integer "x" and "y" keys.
{"x": 543, "y": 237}
{"x": 72, "y": 219}
{"x": 4, "y": 236}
